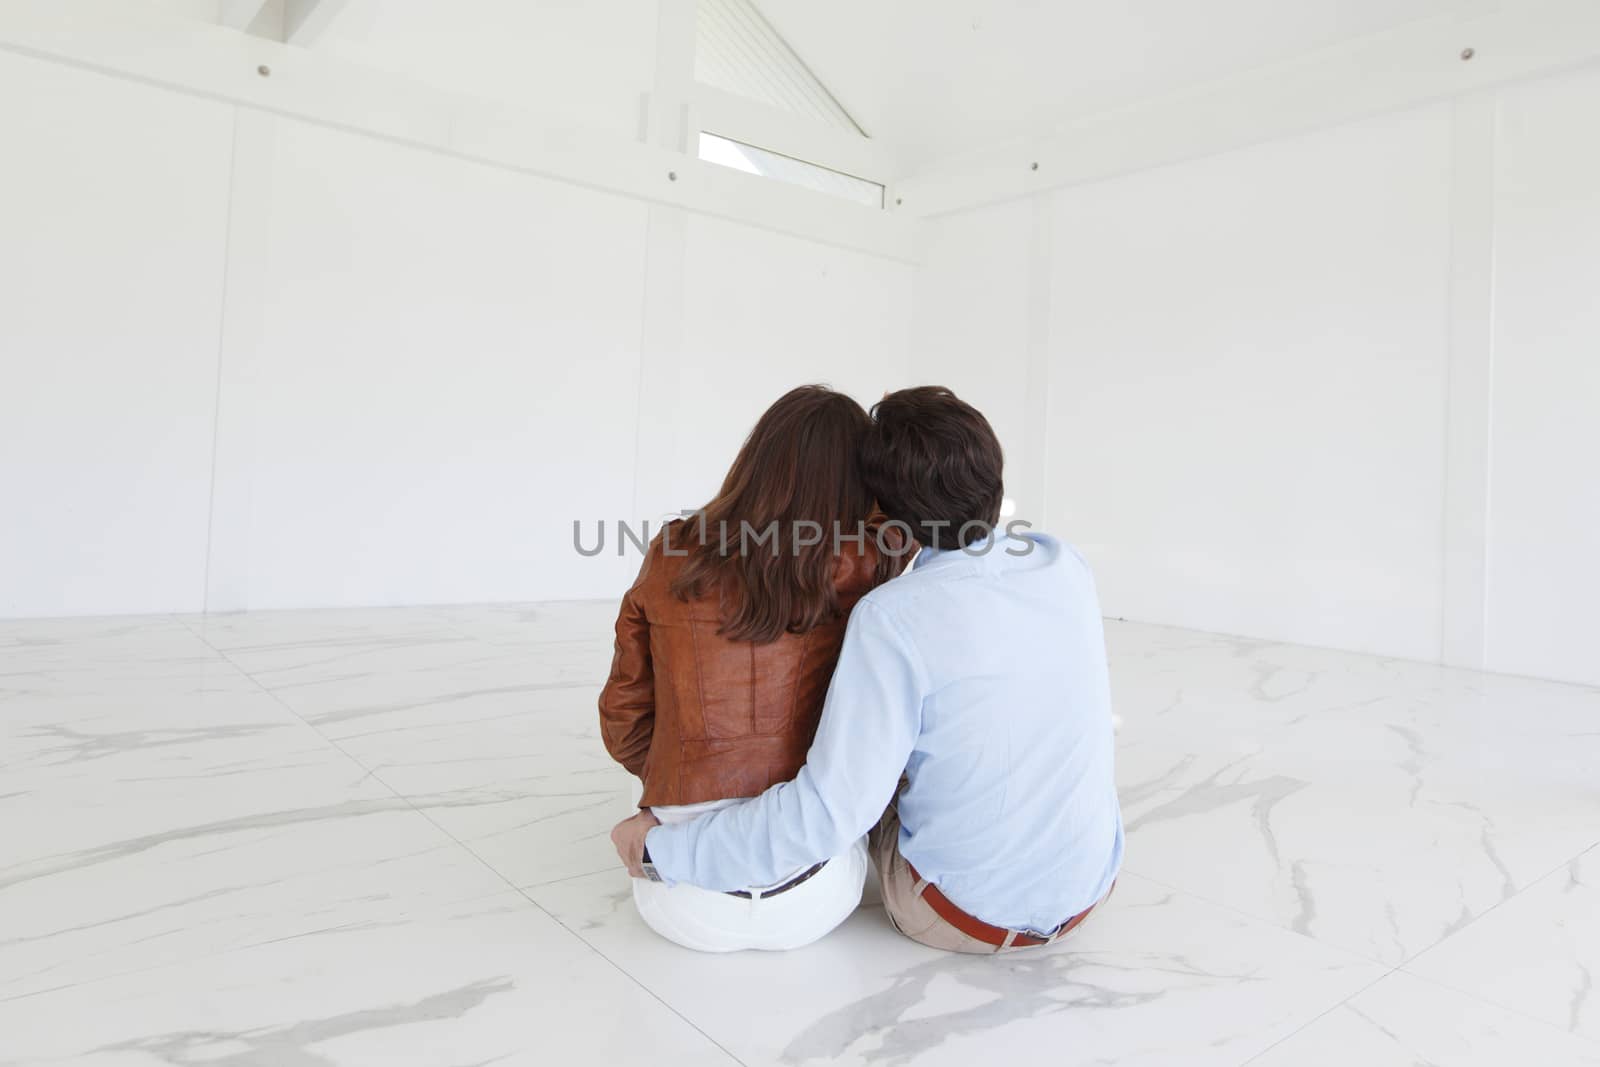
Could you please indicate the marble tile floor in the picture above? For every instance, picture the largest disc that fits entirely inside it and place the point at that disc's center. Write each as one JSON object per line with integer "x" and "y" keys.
{"x": 378, "y": 837}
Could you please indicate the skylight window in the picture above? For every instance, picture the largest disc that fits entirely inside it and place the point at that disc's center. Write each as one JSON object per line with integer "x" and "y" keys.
{"x": 753, "y": 160}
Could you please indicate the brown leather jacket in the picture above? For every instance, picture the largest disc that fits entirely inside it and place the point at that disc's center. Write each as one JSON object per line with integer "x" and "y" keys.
{"x": 701, "y": 717}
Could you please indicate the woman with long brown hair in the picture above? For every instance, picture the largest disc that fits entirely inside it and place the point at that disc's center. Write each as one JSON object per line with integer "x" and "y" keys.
{"x": 725, "y": 646}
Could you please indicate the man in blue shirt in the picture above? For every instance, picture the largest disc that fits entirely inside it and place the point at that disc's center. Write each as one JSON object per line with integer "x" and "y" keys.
{"x": 968, "y": 724}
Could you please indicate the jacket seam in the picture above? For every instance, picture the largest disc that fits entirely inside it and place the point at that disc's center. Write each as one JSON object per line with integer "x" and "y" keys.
{"x": 751, "y": 687}
{"x": 699, "y": 685}
{"x": 794, "y": 682}
{"x": 737, "y": 740}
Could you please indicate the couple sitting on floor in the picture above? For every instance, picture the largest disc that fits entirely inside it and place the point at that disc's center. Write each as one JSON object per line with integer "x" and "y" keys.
{"x": 841, "y": 656}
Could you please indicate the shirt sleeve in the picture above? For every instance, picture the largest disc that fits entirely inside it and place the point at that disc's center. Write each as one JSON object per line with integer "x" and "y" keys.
{"x": 869, "y": 725}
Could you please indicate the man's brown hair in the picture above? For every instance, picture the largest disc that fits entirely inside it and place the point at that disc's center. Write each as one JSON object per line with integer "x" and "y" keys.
{"x": 796, "y": 478}
{"x": 934, "y": 463}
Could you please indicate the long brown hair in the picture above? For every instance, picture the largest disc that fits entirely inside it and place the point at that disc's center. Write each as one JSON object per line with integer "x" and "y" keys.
{"x": 798, "y": 466}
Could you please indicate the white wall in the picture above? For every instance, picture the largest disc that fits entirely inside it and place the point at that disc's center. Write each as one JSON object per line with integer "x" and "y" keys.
{"x": 439, "y": 375}
{"x": 1246, "y": 360}
{"x": 970, "y": 327}
{"x": 1336, "y": 388}
{"x": 427, "y": 366}
{"x": 1271, "y": 405}
{"x": 581, "y": 64}
{"x": 113, "y": 216}
{"x": 763, "y": 313}
{"x": 1544, "y": 514}
{"x": 1249, "y": 361}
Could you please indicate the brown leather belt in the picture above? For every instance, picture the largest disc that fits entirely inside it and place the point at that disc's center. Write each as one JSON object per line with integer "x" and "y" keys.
{"x": 803, "y": 876}
{"x": 973, "y": 927}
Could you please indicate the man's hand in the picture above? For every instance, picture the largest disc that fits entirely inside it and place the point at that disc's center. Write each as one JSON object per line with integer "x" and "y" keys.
{"x": 628, "y": 836}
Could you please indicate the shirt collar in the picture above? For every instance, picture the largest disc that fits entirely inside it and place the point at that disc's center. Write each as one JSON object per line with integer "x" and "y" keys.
{"x": 926, "y": 555}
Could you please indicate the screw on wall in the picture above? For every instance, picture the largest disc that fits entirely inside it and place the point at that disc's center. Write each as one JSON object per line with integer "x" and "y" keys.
{"x": 264, "y": 70}
{"x": 1468, "y": 53}
{"x": 672, "y": 175}
{"x": 1033, "y": 166}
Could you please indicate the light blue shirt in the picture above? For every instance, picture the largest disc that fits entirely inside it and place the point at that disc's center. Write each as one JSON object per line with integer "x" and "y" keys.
{"x": 982, "y": 678}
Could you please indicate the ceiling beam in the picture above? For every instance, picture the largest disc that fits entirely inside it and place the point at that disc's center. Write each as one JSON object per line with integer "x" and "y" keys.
{"x": 209, "y": 62}
{"x": 1414, "y": 65}
{"x": 305, "y": 20}
{"x": 298, "y": 22}
{"x": 264, "y": 18}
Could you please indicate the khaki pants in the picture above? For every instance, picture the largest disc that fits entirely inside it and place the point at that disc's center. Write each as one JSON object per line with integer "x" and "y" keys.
{"x": 902, "y": 897}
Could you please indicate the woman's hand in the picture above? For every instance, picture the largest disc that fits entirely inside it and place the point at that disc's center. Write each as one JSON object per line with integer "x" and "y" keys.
{"x": 628, "y": 837}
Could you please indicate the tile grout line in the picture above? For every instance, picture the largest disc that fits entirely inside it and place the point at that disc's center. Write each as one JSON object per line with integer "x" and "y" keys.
{"x": 1389, "y": 970}
{"x": 1408, "y": 961}
{"x": 1404, "y": 963}
{"x": 524, "y": 891}
{"x": 1405, "y": 967}
{"x": 1399, "y": 968}
{"x": 614, "y": 964}
{"x": 1319, "y": 1017}
{"x": 563, "y": 879}
{"x": 1273, "y": 923}
{"x": 374, "y": 774}
{"x": 181, "y": 619}
{"x": 1535, "y": 1020}
{"x": 1497, "y": 1006}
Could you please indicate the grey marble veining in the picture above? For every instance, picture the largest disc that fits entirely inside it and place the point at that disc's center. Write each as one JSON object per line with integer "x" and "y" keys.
{"x": 486, "y": 980}
{"x": 1378, "y": 805}
{"x": 378, "y": 836}
{"x": 1403, "y": 1021}
{"x": 1155, "y": 976}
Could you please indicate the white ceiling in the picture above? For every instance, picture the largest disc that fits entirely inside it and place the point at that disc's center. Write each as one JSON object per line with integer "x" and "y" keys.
{"x": 936, "y": 78}
{"x": 928, "y": 79}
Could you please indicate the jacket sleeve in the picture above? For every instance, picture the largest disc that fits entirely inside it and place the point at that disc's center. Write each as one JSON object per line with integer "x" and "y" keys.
{"x": 628, "y": 701}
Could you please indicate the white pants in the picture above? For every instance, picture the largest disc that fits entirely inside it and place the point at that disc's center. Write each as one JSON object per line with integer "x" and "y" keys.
{"x": 708, "y": 921}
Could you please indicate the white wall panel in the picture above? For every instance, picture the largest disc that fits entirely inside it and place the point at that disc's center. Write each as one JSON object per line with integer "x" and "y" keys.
{"x": 439, "y": 376}
{"x": 970, "y": 324}
{"x": 1544, "y": 512}
{"x": 764, "y": 312}
{"x": 1248, "y": 382}
{"x": 113, "y": 213}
